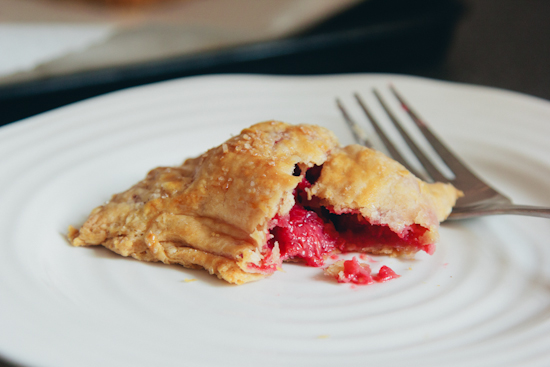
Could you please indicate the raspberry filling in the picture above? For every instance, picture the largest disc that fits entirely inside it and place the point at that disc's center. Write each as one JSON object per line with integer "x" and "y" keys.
{"x": 360, "y": 235}
{"x": 352, "y": 271}
{"x": 304, "y": 235}
{"x": 384, "y": 274}
{"x": 311, "y": 233}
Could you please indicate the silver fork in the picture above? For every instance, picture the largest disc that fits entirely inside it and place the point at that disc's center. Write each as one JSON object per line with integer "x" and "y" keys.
{"x": 479, "y": 198}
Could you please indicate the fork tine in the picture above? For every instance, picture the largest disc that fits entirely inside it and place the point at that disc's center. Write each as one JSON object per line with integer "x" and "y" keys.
{"x": 391, "y": 148}
{"x": 450, "y": 159}
{"x": 358, "y": 134}
{"x": 435, "y": 174}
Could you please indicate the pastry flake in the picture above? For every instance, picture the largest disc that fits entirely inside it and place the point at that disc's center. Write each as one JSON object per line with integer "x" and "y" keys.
{"x": 274, "y": 193}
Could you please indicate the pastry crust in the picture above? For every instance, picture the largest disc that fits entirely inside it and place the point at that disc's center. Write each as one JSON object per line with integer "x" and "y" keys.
{"x": 243, "y": 207}
{"x": 213, "y": 211}
{"x": 356, "y": 179}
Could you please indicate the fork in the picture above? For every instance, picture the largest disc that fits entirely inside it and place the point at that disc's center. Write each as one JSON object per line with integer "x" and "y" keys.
{"x": 479, "y": 198}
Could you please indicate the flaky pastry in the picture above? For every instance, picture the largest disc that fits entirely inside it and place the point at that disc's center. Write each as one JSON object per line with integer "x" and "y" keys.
{"x": 274, "y": 193}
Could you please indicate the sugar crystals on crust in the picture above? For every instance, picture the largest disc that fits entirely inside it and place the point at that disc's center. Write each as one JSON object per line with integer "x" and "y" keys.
{"x": 274, "y": 193}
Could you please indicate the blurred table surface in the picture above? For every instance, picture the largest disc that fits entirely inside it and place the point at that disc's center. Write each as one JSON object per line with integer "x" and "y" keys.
{"x": 497, "y": 43}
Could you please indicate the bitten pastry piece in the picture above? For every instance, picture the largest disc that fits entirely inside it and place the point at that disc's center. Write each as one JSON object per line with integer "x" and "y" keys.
{"x": 378, "y": 206}
{"x": 215, "y": 211}
{"x": 274, "y": 193}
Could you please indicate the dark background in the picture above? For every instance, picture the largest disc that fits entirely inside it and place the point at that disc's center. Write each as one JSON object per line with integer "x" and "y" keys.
{"x": 502, "y": 43}
{"x": 498, "y": 43}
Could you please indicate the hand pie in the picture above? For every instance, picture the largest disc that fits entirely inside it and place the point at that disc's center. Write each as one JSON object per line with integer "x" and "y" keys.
{"x": 274, "y": 193}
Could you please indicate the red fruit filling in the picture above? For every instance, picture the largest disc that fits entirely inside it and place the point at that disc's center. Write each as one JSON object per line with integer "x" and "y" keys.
{"x": 384, "y": 274}
{"x": 311, "y": 233}
{"x": 303, "y": 234}
{"x": 352, "y": 271}
{"x": 360, "y": 235}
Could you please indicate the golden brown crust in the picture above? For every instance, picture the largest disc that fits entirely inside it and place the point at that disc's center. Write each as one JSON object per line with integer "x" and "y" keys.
{"x": 356, "y": 178}
{"x": 214, "y": 210}
{"x": 252, "y": 174}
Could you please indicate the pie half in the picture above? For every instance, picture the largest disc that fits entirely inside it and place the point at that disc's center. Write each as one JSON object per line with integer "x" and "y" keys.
{"x": 274, "y": 193}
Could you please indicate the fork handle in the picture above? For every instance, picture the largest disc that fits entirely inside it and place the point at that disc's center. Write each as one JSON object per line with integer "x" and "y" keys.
{"x": 531, "y": 211}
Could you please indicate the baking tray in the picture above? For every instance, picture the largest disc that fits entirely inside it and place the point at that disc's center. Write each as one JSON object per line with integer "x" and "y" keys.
{"x": 398, "y": 36}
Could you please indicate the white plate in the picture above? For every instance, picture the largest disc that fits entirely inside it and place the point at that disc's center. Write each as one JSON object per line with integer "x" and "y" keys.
{"x": 483, "y": 299}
